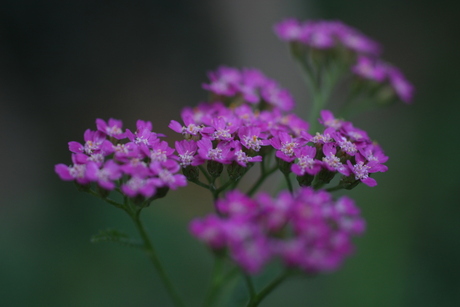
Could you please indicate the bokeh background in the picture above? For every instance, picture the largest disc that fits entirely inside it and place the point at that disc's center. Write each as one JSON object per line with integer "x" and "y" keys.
{"x": 65, "y": 63}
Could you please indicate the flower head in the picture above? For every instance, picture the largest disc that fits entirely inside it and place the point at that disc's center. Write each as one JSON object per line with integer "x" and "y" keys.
{"x": 145, "y": 162}
{"x": 309, "y": 231}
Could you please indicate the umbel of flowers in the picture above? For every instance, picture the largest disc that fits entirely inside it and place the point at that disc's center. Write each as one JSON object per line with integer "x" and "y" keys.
{"x": 308, "y": 230}
{"x": 138, "y": 164}
{"x": 248, "y": 121}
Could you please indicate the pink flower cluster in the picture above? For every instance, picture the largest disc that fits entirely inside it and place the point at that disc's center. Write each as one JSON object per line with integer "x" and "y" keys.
{"x": 251, "y": 85}
{"x": 309, "y": 231}
{"x": 215, "y": 132}
{"x": 341, "y": 148}
{"x": 376, "y": 70}
{"x": 138, "y": 162}
{"x": 326, "y": 35}
{"x": 235, "y": 133}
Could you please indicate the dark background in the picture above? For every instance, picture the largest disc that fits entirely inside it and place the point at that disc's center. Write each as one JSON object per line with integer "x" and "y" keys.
{"x": 65, "y": 63}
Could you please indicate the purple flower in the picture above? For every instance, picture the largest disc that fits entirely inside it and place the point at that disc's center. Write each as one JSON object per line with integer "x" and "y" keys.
{"x": 357, "y": 41}
{"x": 296, "y": 125}
{"x": 138, "y": 186}
{"x": 289, "y": 30}
{"x": 331, "y": 161}
{"x": 224, "y": 128}
{"x": 251, "y": 254}
{"x": 165, "y": 175}
{"x": 274, "y": 95}
{"x": 328, "y": 120}
{"x": 143, "y": 160}
{"x": 319, "y": 35}
{"x": 309, "y": 230}
{"x": 251, "y": 85}
{"x": 285, "y": 145}
{"x": 143, "y": 135}
{"x": 209, "y": 230}
{"x": 354, "y": 134}
{"x": 325, "y": 137}
{"x": 362, "y": 169}
{"x": 222, "y": 153}
{"x": 369, "y": 69}
{"x": 323, "y": 34}
{"x": 113, "y": 128}
{"x": 306, "y": 163}
{"x": 191, "y": 128}
{"x": 160, "y": 152}
{"x": 125, "y": 152}
{"x": 241, "y": 157}
{"x": 224, "y": 81}
{"x": 373, "y": 152}
{"x": 187, "y": 151}
{"x": 403, "y": 88}
{"x": 77, "y": 171}
{"x": 95, "y": 141}
{"x": 252, "y": 81}
{"x": 236, "y": 203}
{"x": 345, "y": 145}
{"x": 252, "y": 138}
{"x": 105, "y": 176}
{"x": 275, "y": 212}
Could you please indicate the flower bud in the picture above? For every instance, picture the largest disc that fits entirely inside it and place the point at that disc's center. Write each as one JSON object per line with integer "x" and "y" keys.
{"x": 215, "y": 168}
{"x": 284, "y": 166}
{"x": 325, "y": 176}
{"x": 191, "y": 172}
{"x": 349, "y": 182}
{"x": 305, "y": 180}
{"x": 236, "y": 171}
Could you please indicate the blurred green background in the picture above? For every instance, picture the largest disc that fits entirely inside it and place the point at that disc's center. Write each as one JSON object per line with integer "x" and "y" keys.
{"x": 65, "y": 63}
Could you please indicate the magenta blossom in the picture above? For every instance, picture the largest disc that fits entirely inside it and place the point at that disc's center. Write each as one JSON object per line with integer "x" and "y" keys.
{"x": 369, "y": 69}
{"x": 105, "y": 176}
{"x": 306, "y": 162}
{"x": 112, "y": 128}
{"x": 143, "y": 160}
{"x": 77, "y": 172}
{"x": 323, "y": 34}
{"x": 285, "y": 145}
{"x": 138, "y": 186}
{"x": 187, "y": 151}
{"x": 362, "y": 169}
{"x": 241, "y": 157}
{"x": 222, "y": 153}
{"x": 309, "y": 230}
{"x": 402, "y": 87}
{"x": 165, "y": 175}
{"x": 331, "y": 161}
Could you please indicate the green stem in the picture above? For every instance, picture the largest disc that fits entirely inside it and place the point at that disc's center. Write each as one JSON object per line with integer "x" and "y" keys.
{"x": 250, "y": 285}
{"x": 261, "y": 179}
{"x": 337, "y": 187}
{"x": 218, "y": 281}
{"x": 255, "y": 301}
{"x": 201, "y": 184}
{"x": 313, "y": 85}
{"x": 224, "y": 186}
{"x": 307, "y": 72}
{"x": 317, "y": 184}
{"x": 112, "y": 202}
{"x": 318, "y": 104}
{"x": 289, "y": 183}
{"x": 205, "y": 173}
{"x": 215, "y": 282}
{"x": 152, "y": 255}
